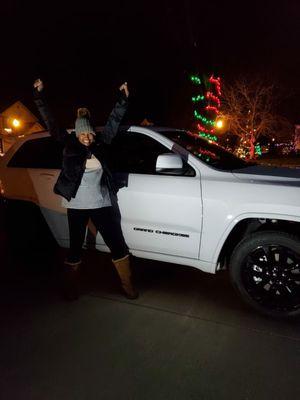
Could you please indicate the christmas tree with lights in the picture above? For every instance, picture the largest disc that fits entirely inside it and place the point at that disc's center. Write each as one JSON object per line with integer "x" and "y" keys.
{"x": 206, "y": 104}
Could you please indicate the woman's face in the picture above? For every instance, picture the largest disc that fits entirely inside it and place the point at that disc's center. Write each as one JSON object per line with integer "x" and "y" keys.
{"x": 86, "y": 138}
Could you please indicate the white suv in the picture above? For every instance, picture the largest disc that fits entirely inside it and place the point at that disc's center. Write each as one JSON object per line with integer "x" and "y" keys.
{"x": 185, "y": 201}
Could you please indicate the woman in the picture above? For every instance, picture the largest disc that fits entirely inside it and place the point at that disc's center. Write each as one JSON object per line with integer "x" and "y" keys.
{"x": 85, "y": 184}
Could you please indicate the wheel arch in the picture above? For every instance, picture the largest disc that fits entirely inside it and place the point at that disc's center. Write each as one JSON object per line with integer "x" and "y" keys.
{"x": 247, "y": 226}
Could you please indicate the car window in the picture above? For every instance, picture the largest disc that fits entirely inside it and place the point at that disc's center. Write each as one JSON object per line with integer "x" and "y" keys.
{"x": 211, "y": 154}
{"x": 38, "y": 153}
{"x": 137, "y": 153}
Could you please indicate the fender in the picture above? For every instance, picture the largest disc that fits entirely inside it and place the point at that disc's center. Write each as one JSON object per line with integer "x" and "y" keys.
{"x": 235, "y": 220}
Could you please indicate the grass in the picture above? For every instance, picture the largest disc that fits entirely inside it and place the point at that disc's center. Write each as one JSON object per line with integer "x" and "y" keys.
{"x": 292, "y": 161}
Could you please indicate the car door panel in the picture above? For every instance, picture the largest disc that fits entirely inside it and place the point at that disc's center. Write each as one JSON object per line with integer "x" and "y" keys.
{"x": 162, "y": 214}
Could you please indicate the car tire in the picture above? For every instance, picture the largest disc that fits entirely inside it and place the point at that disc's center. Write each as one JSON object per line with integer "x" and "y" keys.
{"x": 265, "y": 270}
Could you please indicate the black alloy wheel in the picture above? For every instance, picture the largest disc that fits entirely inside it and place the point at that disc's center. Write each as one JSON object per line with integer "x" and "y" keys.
{"x": 265, "y": 269}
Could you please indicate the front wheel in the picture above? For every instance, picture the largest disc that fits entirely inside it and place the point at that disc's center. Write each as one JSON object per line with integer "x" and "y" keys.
{"x": 265, "y": 269}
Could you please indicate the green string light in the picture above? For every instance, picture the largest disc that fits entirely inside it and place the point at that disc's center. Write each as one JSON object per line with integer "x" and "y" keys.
{"x": 202, "y": 156}
{"x": 195, "y": 79}
{"x": 258, "y": 150}
{"x": 208, "y": 136}
{"x": 203, "y": 119}
{"x": 206, "y": 125}
{"x": 198, "y": 98}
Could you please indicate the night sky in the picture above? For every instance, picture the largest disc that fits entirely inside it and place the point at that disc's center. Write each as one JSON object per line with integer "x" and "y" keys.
{"x": 83, "y": 51}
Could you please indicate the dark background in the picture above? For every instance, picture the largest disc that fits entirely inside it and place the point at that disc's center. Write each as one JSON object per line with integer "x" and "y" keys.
{"x": 83, "y": 51}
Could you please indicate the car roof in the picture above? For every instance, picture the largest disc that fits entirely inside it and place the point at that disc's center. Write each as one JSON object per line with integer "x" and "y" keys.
{"x": 122, "y": 128}
{"x": 151, "y": 127}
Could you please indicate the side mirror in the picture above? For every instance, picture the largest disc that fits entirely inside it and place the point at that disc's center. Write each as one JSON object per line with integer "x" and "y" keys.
{"x": 169, "y": 163}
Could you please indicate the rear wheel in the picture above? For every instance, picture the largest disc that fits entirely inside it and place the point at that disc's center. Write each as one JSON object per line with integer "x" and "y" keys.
{"x": 265, "y": 269}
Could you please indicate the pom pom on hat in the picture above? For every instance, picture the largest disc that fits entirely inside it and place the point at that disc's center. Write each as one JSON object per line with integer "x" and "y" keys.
{"x": 83, "y": 112}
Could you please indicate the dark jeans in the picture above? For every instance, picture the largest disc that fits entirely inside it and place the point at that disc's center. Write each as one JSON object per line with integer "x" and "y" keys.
{"x": 106, "y": 220}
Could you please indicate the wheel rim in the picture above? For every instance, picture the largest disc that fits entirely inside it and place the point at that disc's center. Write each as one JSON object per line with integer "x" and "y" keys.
{"x": 271, "y": 276}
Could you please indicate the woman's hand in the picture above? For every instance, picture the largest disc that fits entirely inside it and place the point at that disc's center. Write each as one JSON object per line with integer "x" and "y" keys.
{"x": 125, "y": 88}
{"x": 38, "y": 84}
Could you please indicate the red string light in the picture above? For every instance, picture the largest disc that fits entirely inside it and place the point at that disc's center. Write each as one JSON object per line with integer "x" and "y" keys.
{"x": 217, "y": 82}
{"x": 211, "y": 96}
{"x": 212, "y": 108}
{"x": 203, "y": 129}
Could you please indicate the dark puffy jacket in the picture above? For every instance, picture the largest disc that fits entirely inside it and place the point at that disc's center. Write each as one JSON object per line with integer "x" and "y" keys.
{"x": 75, "y": 153}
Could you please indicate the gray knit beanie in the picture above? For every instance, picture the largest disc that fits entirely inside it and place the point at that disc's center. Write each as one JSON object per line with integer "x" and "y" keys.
{"x": 82, "y": 123}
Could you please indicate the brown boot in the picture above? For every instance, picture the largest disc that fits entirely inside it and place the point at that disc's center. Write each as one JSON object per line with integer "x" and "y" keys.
{"x": 123, "y": 268}
{"x": 71, "y": 280}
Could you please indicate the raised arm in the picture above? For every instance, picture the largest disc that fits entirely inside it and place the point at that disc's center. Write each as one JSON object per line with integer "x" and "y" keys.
{"x": 116, "y": 116}
{"x": 55, "y": 131}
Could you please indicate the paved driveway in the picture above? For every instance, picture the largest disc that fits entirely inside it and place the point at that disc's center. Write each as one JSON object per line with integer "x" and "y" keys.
{"x": 188, "y": 336}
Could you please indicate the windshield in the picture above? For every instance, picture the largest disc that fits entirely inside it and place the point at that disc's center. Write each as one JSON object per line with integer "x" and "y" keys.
{"x": 210, "y": 153}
